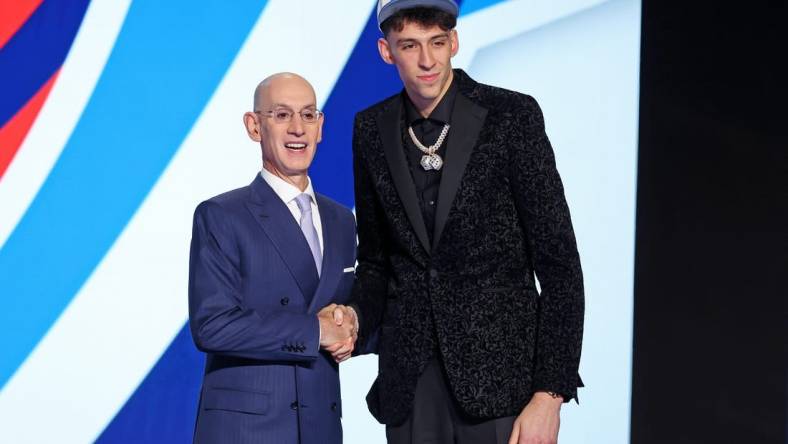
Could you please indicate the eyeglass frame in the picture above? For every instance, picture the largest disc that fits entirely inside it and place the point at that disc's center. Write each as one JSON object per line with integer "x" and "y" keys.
{"x": 291, "y": 113}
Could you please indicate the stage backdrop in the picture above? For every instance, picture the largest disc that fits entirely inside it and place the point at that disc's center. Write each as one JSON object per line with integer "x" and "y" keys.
{"x": 117, "y": 118}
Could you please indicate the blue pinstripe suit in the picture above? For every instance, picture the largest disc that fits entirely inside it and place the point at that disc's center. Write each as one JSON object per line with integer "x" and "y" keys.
{"x": 254, "y": 292}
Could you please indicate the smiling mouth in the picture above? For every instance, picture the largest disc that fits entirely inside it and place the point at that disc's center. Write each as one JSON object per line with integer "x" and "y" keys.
{"x": 428, "y": 78}
{"x": 295, "y": 146}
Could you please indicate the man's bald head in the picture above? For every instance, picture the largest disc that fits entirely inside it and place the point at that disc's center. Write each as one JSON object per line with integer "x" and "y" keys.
{"x": 287, "y": 138}
{"x": 280, "y": 81}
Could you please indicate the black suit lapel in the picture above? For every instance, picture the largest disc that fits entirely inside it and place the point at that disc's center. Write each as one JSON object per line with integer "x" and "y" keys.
{"x": 467, "y": 119}
{"x": 389, "y": 126}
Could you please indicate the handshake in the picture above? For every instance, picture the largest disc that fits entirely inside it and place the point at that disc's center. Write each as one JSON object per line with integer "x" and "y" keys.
{"x": 338, "y": 330}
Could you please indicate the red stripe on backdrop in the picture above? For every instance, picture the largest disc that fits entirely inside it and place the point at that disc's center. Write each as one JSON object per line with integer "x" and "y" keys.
{"x": 14, "y": 14}
{"x": 14, "y": 131}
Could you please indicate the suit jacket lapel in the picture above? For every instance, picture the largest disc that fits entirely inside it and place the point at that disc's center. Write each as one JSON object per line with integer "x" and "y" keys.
{"x": 331, "y": 270}
{"x": 389, "y": 126}
{"x": 467, "y": 119}
{"x": 276, "y": 220}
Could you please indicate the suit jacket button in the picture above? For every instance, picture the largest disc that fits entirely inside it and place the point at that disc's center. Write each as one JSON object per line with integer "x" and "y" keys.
{"x": 333, "y": 406}
{"x": 294, "y": 405}
{"x": 433, "y": 273}
{"x": 284, "y": 301}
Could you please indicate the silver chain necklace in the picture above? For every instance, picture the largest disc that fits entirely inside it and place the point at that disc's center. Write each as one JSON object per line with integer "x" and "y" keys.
{"x": 430, "y": 160}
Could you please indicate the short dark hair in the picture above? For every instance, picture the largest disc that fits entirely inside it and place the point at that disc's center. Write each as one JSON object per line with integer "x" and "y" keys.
{"x": 425, "y": 17}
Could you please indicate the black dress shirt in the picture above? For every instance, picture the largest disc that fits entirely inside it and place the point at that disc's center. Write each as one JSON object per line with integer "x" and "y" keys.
{"x": 427, "y": 130}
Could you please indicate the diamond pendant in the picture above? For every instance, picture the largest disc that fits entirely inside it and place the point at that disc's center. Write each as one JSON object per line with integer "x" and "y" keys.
{"x": 431, "y": 162}
{"x": 426, "y": 162}
{"x": 436, "y": 162}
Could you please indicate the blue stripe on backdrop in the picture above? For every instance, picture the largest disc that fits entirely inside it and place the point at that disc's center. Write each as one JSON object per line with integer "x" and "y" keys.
{"x": 470, "y": 6}
{"x": 164, "y": 407}
{"x": 36, "y": 51}
{"x": 364, "y": 81}
{"x": 160, "y": 75}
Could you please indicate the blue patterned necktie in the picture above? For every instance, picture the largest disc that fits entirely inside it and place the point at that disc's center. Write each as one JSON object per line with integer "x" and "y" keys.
{"x": 308, "y": 228}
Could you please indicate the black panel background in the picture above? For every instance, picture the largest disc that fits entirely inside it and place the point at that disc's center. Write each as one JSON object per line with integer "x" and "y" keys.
{"x": 709, "y": 362}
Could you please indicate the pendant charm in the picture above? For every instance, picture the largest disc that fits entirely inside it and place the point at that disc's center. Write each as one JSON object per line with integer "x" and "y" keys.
{"x": 431, "y": 162}
{"x": 425, "y": 162}
{"x": 436, "y": 162}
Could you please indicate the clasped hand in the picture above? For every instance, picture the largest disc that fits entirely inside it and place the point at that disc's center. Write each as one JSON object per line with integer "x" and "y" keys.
{"x": 338, "y": 330}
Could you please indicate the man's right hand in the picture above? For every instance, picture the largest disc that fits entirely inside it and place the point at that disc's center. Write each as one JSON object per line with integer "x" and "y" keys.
{"x": 337, "y": 333}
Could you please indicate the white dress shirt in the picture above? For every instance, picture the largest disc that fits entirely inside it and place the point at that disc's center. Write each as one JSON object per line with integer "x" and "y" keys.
{"x": 288, "y": 193}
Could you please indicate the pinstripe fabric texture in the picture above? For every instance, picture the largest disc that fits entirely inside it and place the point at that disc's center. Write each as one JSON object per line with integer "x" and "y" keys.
{"x": 254, "y": 293}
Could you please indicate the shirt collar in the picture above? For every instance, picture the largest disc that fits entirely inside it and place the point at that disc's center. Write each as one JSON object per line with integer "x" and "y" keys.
{"x": 285, "y": 190}
{"x": 441, "y": 113}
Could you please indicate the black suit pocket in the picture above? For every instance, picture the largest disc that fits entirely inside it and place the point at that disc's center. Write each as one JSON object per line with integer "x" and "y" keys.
{"x": 256, "y": 403}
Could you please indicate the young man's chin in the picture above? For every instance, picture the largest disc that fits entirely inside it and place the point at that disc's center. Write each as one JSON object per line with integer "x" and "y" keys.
{"x": 427, "y": 94}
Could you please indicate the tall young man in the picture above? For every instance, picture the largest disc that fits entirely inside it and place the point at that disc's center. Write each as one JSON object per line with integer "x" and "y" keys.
{"x": 459, "y": 206}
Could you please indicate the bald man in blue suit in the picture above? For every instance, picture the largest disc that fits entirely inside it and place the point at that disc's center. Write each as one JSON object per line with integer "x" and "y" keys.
{"x": 264, "y": 260}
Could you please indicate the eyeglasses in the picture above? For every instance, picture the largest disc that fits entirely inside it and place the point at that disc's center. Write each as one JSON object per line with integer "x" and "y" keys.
{"x": 284, "y": 115}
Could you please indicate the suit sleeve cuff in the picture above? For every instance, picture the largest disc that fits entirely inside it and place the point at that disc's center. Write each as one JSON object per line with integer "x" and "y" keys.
{"x": 303, "y": 340}
{"x": 567, "y": 391}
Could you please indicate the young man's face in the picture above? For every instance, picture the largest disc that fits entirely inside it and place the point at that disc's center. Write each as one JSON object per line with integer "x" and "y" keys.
{"x": 423, "y": 58}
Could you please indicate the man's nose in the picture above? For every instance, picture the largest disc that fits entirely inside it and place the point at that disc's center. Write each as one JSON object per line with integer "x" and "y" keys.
{"x": 296, "y": 126}
{"x": 426, "y": 59}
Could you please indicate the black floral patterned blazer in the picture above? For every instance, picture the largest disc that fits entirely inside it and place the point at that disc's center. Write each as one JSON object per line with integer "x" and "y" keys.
{"x": 501, "y": 216}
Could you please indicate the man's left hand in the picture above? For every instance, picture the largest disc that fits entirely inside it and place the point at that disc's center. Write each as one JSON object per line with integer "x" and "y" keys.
{"x": 539, "y": 421}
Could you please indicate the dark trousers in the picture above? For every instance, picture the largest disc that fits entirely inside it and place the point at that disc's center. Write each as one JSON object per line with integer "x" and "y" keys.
{"x": 436, "y": 419}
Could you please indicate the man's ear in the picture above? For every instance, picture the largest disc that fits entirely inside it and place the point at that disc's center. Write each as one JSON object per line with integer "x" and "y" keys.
{"x": 455, "y": 42}
{"x": 252, "y": 128}
{"x": 320, "y": 128}
{"x": 385, "y": 51}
